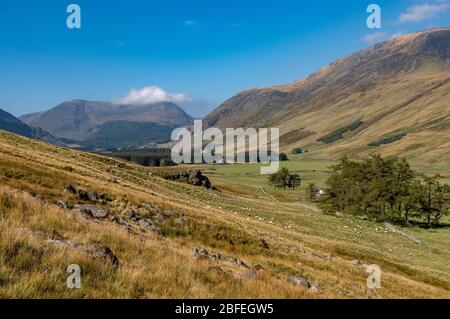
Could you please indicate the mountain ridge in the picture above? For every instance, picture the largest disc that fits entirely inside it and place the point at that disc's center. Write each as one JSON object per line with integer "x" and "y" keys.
{"x": 10, "y": 123}
{"x": 75, "y": 119}
{"x": 405, "y": 79}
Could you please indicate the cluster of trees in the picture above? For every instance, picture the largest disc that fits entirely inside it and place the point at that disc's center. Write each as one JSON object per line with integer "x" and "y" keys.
{"x": 385, "y": 190}
{"x": 284, "y": 179}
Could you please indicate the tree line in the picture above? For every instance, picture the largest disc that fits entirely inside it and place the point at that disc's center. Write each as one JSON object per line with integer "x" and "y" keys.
{"x": 387, "y": 190}
{"x": 377, "y": 188}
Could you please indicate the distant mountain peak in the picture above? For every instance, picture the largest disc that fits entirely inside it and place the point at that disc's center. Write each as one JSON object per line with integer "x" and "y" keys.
{"x": 75, "y": 119}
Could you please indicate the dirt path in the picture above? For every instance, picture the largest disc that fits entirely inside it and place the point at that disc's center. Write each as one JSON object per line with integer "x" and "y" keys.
{"x": 310, "y": 207}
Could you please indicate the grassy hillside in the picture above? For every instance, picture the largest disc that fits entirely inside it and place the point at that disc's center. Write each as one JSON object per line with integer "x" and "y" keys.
{"x": 392, "y": 98}
{"x": 275, "y": 240}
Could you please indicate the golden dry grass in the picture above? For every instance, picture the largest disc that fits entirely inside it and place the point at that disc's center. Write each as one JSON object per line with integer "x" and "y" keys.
{"x": 302, "y": 243}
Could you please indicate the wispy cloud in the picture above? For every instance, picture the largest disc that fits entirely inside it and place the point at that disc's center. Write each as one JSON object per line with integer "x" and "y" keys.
{"x": 153, "y": 94}
{"x": 423, "y": 11}
{"x": 191, "y": 23}
{"x": 374, "y": 37}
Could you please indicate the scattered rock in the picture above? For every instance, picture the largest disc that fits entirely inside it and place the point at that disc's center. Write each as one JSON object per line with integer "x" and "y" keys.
{"x": 91, "y": 196}
{"x": 70, "y": 190}
{"x": 92, "y": 211}
{"x": 116, "y": 220}
{"x": 181, "y": 221}
{"x": 61, "y": 204}
{"x": 85, "y": 195}
{"x": 356, "y": 262}
{"x": 161, "y": 217}
{"x": 150, "y": 210}
{"x": 250, "y": 274}
{"x": 147, "y": 225}
{"x": 313, "y": 289}
{"x": 215, "y": 256}
{"x": 195, "y": 178}
{"x": 93, "y": 250}
{"x": 299, "y": 281}
{"x": 198, "y": 179}
{"x": 129, "y": 215}
{"x": 200, "y": 253}
{"x": 236, "y": 261}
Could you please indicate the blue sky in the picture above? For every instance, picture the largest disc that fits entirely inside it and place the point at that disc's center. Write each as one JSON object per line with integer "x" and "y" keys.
{"x": 203, "y": 50}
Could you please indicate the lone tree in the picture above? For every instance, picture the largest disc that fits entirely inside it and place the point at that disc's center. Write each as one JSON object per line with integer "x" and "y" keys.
{"x": 283, "y": 179}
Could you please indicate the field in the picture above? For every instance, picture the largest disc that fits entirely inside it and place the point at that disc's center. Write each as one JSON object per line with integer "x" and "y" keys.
{"x": 273, "y": 239}
{"x": 313, "y": 168}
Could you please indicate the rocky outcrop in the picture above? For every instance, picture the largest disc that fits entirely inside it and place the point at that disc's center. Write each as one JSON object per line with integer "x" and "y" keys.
{"x": 302, "y": 282}
{"x": 84, "y": 195}
{"x": 93, "y": 250}
{"x": 91, "y": 211}
{"x": 195, "y": 178}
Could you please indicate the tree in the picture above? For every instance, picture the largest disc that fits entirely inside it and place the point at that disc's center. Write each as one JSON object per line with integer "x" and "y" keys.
{"x": 280, "y": 179}
{"x": 283, "y": 157}
{"x": 294, "y": 181}
{"x": 433, "y": 200}
{"x": 311, "y": 192}
{"x": 297, "y": 151}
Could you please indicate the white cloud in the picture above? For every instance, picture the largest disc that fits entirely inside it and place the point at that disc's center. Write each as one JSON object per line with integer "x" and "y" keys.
{"x": 374, "y": 37}
{"x": 423, "y": 11}
{"x": 153, "y": 94}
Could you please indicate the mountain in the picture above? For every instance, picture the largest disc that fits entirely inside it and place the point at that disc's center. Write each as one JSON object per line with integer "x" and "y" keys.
{"x": 126, "y": 134}
{"x": 10, "y": 123}
{"x": 392, "y": 98}
{"x": 76, "y": 120}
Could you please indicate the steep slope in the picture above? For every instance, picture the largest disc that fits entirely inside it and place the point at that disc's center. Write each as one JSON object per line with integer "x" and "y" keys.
{"x": 10, "y": 123}
{"x": 143, "y": 247}
{"x": 75, "y": 119}
{"x": 394, "y": 96}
